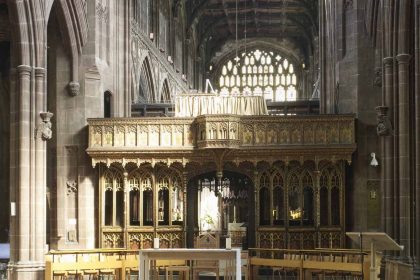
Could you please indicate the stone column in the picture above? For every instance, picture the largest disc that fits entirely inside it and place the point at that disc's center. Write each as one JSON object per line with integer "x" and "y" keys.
{"x": 28, "y": 176}
{"x": 404, "y": 155}
{"x": 39, "y": 187}
{"x": 387, "y": 177}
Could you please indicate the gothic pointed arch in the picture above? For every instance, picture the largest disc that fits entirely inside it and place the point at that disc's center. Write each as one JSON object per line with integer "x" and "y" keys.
{"x": 165, "y": 93}
{"x": 72, "y": 21}
{"x": 146, "y": 93}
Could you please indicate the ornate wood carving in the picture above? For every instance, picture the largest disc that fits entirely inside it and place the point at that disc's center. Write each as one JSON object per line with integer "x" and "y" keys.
{"x": 184, "y": 139}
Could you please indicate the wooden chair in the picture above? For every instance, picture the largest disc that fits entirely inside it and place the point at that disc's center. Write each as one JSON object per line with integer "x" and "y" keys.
{"x": 206, "y": 241}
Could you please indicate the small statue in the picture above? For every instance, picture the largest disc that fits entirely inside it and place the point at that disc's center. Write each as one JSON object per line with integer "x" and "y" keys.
{"x": 384, "y": 126}
{"x": 44, "y": 129}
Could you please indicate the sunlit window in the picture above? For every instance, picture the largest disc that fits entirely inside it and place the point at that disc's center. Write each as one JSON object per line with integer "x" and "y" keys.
{"x": 259, "y": 72}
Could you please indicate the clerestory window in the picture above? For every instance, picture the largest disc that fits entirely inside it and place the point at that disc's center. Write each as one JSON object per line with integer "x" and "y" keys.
{"x": 260, "y": 72}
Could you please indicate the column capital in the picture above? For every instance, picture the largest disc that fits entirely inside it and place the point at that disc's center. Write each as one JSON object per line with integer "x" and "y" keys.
{"x": 403, "y": 58}
{"x": 388, "y": 61}
{"x": 24, "y": 69}
{"x": 40, "y": 71}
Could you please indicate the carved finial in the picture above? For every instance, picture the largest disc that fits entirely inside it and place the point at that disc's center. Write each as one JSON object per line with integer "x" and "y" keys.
{"x": 43, "y": 130}
{"x": 74, "y": 88}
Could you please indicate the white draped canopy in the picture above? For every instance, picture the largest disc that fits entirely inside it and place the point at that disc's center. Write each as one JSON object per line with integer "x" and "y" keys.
{"x": 193, "y": 105}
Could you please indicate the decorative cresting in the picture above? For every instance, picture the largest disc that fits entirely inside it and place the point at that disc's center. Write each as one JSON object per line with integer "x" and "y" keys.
{"x": 218, "y": 132}
{"x": 248, "y": 138}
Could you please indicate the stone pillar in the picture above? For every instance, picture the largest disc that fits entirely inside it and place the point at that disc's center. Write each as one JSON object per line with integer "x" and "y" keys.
{"x": 28, "y": 173}
{"x": 39, "y": 188}
{"x": 404, "y": 155}
{"x": 387, "y": 177}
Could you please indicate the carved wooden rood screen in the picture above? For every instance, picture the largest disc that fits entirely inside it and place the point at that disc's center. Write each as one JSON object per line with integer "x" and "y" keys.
{"x": 155, "y": 173}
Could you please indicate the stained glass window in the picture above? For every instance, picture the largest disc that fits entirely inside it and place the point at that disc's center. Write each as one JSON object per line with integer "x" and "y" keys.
{"x": 259, "y": 72}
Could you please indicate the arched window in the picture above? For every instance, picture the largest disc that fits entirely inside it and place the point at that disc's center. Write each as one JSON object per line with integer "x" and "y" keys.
{"x": 260, "y": 72}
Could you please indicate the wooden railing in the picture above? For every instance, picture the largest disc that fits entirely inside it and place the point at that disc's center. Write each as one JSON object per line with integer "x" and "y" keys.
{"x": 306, "y": 264}
{"x": 117, "y": 262}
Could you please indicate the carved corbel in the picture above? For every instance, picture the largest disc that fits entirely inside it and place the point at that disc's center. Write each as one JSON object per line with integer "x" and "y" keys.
{"x": 74, "y": 88}
{"x": 384, "y": 126}
{"x": 43, "y": 130}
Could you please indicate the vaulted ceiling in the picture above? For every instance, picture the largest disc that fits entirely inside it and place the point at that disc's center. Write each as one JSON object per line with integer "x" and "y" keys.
{"x": 286, "y": 23}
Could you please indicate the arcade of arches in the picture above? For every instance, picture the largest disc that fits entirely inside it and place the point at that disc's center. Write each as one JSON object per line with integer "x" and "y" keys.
{"x": 299, "y": 121}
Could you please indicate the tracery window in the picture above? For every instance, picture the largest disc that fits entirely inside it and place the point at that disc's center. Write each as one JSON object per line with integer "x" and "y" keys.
{"x": 260, "y": 72}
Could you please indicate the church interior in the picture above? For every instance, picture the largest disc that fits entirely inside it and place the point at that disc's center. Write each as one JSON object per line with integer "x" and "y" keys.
{"x": 287, "y": 130}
